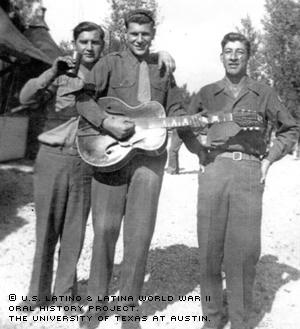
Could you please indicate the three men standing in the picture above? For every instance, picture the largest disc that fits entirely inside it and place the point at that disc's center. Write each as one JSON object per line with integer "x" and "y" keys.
{"x": 230, "y": 188}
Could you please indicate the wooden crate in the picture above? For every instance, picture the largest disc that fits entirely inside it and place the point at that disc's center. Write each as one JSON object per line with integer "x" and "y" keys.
{"x": 13, "y": 137}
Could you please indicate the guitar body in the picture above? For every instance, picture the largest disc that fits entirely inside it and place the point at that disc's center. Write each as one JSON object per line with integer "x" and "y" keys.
{"x": 102, "y": 150}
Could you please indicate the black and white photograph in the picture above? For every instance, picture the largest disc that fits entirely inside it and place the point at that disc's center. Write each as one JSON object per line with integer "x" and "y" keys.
{"x": 149, "y": 164}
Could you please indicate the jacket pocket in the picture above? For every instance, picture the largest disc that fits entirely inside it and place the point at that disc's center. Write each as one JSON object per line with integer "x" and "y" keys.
{"x": 125, "y": 83}
{"x": 123, "y": 89}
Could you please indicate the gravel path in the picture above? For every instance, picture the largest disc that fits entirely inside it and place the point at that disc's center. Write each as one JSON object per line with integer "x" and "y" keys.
{"x": 173, "y": 266}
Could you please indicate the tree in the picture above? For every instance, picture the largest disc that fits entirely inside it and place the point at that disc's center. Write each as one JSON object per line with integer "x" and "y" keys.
{"x": 24, "y": 8}
{"x": 257, "y": 66}
{"x": 115, "y": 24}
{"x": 185, "y": 94}
{"x": 282, "y": 49}
{"x": 66, "y": 47}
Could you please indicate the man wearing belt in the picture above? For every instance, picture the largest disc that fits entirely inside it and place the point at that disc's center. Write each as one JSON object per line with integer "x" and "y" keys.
{"x": 62, "y": 181}
{"x": 132, "y": 192}
{"x": 232, "y": 185}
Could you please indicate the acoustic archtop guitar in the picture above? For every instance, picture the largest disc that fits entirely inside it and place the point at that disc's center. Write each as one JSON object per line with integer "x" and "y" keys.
{"x": 99, "y": 149}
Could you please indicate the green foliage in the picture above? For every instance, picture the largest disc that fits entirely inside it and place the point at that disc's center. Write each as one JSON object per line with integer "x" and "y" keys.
{"x": 185, "y": 94}
{"x": 276, "y": 52}
{"x": 24, "y": 6}
{"x": 115, "y": 24}
{"x": 282, "y": 48}
{"x": 24, "y": 9}
{"x": 256, "y": 67}
{"x": 66, "y": 47}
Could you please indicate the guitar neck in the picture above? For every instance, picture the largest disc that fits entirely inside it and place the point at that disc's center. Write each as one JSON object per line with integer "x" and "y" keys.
{"x": 171, "y": 122}
{"x": 181, "y": 121}
{"x": 152, "y": 115}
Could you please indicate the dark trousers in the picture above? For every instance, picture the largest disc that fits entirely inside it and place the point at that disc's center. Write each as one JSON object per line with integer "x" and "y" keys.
{"x": 229, "y": 224}
{"x": 173, "y": 159}
{"x": 131, "y": 194}
{"x": 62, "y": 187}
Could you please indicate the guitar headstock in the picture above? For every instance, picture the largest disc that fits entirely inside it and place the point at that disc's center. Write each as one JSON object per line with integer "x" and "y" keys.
{"x": 248, "y": 120}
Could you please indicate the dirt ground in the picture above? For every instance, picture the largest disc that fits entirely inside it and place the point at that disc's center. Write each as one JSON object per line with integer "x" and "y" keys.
{"x": 173, "y": 265}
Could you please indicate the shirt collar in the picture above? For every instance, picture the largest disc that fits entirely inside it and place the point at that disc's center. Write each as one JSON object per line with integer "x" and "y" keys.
{"x": 249, "y": 83}
{"x": 83, "y": 72}
{"x": 253, "y": 86}
{"x": 130, "y": 57}
{"x": 134, "y": 60}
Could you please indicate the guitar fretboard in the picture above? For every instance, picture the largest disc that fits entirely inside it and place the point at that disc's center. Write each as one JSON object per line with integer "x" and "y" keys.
{"x": 182, "y": 121}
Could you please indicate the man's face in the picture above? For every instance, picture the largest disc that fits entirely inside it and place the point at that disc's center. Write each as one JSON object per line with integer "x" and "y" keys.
{"x": 139, "y": 38}
{"x": 89, "y": 45}
{"x": 235, "y": 58}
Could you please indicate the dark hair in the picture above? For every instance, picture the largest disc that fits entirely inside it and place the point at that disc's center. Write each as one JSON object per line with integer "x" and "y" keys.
{"x": 140, "y": 16}
{"x": 234, "y": 36}
{"x": 87, "y": 26}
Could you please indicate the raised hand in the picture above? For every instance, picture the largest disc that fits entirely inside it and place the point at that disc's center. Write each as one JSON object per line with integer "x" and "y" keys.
{"x": 61, "y": 65}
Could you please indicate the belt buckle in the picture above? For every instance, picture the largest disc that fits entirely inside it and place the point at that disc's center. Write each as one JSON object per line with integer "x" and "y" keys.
{"x": 237, "y": 156}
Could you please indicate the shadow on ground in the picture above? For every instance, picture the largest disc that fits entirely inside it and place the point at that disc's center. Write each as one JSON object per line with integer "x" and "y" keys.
{"x": 189, "y": 172}
{"x": 174, "y": 271}
{"x": 15, "y": 192}
{"x": 270, "y": 277}
{"x": 183, "y": 171}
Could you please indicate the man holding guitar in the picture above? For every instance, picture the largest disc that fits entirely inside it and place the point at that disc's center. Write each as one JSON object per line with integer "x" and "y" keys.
{"x": 232, "y": 185}
{"x": 129, "y": 193}
{"x": 62, "y": 181}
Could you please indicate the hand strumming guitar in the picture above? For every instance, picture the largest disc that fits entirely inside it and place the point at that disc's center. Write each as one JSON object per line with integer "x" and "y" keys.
{"x": 120, "y": 127}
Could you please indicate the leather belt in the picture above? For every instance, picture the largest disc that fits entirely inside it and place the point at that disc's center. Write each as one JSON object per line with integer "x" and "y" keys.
{"x": 237, "y": 156}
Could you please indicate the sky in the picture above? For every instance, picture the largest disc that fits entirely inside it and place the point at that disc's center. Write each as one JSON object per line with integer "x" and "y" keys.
{"x": 190, "y": 30}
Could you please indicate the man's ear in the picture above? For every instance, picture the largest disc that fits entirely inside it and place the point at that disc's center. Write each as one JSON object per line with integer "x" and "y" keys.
{"x": 126, "y": 34}
{"x": 221, "y": 58}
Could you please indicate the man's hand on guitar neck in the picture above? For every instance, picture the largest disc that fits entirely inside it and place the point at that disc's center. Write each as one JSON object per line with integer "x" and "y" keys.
{"x": 119, "y": 126}
{"x": 198, "y": 120}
